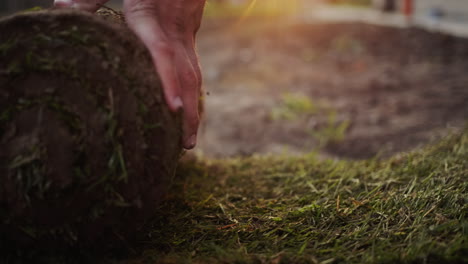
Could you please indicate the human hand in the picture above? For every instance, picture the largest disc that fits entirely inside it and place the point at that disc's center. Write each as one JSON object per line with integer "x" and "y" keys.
{"x": 168, "y": 29}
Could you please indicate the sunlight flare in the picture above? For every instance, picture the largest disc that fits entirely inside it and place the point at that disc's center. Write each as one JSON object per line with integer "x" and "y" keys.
{"x": 246, "y": 13}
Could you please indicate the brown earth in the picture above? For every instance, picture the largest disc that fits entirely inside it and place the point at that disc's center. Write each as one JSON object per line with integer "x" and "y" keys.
{"x": 347, "y": 90}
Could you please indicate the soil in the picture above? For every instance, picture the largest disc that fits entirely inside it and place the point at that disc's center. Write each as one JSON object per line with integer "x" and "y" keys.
{"x": 368, "y": 90}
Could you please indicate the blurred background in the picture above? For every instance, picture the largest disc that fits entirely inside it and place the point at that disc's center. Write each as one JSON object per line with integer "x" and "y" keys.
{"x": 341, "y": 78}
{"x": 449, "y": 9}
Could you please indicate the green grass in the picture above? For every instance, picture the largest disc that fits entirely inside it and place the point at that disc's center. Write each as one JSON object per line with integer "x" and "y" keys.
{"x": 409, "y": 209}
{"x": 298, "y": 107}
{"x": 293, "y": 106}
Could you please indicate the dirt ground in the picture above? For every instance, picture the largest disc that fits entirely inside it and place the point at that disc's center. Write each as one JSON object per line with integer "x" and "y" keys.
{"x": 345, "y": 90}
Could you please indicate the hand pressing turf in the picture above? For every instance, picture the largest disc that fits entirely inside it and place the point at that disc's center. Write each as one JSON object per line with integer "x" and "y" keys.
{"x": 168, "y": 29}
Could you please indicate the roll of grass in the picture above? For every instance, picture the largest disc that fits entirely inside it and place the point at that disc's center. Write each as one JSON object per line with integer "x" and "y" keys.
{"x": 87, "y": 143}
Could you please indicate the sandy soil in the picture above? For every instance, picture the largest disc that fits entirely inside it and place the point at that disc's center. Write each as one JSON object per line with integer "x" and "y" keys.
{"x": 344, "y": 90}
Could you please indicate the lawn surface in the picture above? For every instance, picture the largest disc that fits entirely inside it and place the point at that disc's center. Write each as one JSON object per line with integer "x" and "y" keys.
{"x": 411, "y": 208}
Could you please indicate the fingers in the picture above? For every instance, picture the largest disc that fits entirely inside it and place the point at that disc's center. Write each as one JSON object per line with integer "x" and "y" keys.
{"x": 163, "y": 56}
{"x": 190, "y": 97}
{"x": 168, "y": 33}
{"x": 190, "y": 48}
{"x": 171, "y": 68}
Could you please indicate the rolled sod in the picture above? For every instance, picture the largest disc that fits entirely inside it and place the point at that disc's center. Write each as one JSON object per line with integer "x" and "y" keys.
{"x": 88, "y": 146}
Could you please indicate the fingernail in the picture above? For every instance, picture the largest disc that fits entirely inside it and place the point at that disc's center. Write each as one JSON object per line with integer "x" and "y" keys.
{"x": 177, "y": 103}
{"x": 191, "y": 142}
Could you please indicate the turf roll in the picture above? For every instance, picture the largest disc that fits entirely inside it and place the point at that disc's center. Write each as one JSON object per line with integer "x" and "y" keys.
{"x": 88, "y": 146}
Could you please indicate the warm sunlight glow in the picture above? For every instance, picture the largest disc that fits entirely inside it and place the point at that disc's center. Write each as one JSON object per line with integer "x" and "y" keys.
{"x": 273, "y": 7}
{"x": 268, "y": 8}
{"x": 250, "y": 7}
{"x": 247, "y": 8}
{"x": 247, "y": 11}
